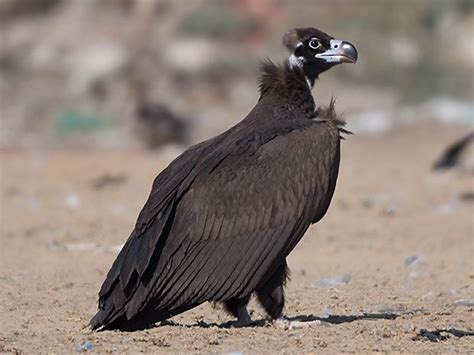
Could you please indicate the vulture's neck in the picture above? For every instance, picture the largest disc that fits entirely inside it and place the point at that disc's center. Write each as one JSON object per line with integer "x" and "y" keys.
{"x": 289, "y": 86}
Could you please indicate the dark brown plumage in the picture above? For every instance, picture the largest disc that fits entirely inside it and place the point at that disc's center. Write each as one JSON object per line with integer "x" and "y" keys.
{"x": 223, "y": 216}
{"x": 454, "y": 153}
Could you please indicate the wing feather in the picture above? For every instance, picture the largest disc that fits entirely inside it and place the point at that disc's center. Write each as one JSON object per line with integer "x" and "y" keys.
{"x": 221, "y": 236}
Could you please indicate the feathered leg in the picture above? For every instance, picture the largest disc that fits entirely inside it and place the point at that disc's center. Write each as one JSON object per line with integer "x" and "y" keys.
{"x": 238, "y": 308}
{"x": 272, "y": 295}
{"x": 272, "y": 298}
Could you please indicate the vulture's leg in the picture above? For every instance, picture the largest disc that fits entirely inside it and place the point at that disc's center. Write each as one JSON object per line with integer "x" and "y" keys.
{"x": 238, "y": 308}
{"x": 271, "y": 295}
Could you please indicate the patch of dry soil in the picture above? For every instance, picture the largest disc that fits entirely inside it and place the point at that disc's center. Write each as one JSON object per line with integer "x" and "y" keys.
{"x": 63, "y": 214}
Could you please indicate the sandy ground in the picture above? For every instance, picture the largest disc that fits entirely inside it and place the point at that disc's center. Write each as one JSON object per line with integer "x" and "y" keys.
{"x": 64, "y": 213}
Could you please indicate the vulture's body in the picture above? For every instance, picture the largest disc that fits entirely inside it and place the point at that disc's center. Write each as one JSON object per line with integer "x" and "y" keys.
{"x": 458, "y": 153}
{"x": 223, "y": 216}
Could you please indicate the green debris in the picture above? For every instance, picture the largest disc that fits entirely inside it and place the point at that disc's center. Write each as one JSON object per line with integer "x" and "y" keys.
{"x": 74, "y": 122}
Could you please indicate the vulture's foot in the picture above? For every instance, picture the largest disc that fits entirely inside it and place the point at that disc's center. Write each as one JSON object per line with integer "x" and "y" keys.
{"x": 243, "y": 318}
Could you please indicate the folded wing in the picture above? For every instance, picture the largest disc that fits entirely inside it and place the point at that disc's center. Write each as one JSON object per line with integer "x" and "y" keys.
{"x": 215, "y": 228}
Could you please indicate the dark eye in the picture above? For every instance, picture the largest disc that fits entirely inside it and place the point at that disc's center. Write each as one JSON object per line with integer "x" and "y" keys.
{"x": 314, "y": 43}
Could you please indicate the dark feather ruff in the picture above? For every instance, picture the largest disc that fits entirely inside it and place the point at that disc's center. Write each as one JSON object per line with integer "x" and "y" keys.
{"x": 328, "y": 113}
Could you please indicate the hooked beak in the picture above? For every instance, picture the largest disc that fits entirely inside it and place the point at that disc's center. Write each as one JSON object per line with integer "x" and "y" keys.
{"x": 340, "y": 52}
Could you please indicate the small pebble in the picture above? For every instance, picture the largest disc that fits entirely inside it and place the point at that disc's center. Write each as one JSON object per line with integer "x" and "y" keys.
{"x": 87, "y": 346}
{"x": 332, "y": 281}
{"x": 414, "y": 260}
{"x": 73, "y": 201}
{"x": 449, "y": 207}
{"x": 464, "y": 302}
{"x": 391, "y": 209}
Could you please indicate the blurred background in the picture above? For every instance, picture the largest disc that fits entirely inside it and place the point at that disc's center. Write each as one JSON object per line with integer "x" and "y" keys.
{"x": 97, "y": 96}
{"x": 133, "y": 74}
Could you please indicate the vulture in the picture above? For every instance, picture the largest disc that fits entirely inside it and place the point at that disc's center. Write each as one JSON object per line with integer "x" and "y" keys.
{"x": 224, "y": 215}
{"x": 456, "y": 154}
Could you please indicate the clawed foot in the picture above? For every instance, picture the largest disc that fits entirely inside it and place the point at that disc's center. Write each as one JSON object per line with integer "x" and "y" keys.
{"x": 285, "y": 323}
{"x": 243, "y": 320}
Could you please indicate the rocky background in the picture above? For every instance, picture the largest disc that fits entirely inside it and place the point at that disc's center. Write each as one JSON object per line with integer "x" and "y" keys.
{"x": 132, "y": 74}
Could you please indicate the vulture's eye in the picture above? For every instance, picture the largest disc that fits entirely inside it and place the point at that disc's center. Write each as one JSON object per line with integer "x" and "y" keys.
{"x": 314, "y": 43}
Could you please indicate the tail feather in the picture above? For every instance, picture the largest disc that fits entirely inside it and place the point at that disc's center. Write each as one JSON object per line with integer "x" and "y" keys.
{"x": 143, "y": 320}
{"x": 98, "y": 320}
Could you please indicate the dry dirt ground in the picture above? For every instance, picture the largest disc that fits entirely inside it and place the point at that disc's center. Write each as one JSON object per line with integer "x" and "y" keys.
{"x": 63, "y": 215}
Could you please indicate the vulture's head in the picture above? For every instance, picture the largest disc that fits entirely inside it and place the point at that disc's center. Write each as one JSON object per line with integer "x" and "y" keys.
{"x": 314, "y": 51}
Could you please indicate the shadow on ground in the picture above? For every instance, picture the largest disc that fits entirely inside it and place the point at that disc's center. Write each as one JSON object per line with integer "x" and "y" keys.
{"x": 332, "y": 319}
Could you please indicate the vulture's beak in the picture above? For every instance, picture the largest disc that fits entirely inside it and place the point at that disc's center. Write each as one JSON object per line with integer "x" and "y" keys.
{"x": 340, "y": 52}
